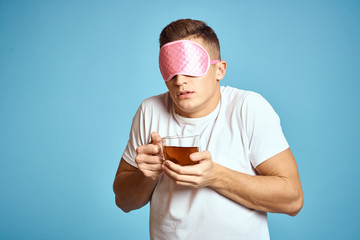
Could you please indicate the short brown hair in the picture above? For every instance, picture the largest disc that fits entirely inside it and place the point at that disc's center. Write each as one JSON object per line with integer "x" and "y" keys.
{"x": 184, "y": 28}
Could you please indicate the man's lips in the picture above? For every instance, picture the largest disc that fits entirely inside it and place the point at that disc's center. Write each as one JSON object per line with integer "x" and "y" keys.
{"x": 184, "y": 94}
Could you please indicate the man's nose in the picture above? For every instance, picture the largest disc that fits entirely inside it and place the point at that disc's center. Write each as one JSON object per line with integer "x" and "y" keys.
{"x": 180, "y": 79}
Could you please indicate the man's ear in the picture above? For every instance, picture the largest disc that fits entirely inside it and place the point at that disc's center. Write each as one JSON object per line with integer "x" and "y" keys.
{"x": 220, "y": 70}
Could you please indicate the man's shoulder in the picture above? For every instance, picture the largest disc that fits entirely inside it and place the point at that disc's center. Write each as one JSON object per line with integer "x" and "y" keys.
{"x": 160, "y": 101}
{"x": 238, "y": 99}
{"x": 235, "y": 95}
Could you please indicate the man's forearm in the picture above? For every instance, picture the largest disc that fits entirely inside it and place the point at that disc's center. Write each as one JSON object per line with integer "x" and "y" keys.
{"x": 264, "y": 193}
{"x": 132, "y": 190}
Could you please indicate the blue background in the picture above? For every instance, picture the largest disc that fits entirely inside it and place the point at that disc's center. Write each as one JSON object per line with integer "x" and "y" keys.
{"x": 72, "y": 74}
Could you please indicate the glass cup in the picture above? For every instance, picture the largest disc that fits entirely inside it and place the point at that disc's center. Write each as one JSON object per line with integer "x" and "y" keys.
{"x": 178, "y": 149}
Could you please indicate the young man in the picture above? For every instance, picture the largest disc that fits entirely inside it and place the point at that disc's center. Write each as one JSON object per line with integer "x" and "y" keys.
{"x": 246, "y": 170}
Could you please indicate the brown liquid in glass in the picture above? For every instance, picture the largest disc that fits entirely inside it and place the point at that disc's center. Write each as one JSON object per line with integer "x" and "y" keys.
{"x": 180, "y": 155}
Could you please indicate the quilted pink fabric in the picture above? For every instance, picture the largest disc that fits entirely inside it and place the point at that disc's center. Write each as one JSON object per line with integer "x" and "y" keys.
{"x": 183, "y": 57}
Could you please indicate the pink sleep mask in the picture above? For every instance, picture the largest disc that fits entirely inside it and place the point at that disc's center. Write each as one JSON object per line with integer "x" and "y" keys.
{"x": 184, "y": 57}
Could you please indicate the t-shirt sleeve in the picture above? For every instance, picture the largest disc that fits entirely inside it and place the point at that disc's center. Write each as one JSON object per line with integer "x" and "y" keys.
{"x": 136, "y": 137}
{"x": 263, "y": 129}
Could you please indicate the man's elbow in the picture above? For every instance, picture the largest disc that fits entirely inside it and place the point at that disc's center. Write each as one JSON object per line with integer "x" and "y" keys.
{"x": 121, "y": 206}
{"x": 296, "y": 205}
{"x": 118, "y": 201}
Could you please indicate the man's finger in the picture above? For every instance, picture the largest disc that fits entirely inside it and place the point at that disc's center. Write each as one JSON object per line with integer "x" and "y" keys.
{"x": 155, "y": 138}
{"x": 180, "y": 179}
{"x": 149, "y": 149}
{"x": 199, "y": 156}
{"x": 148, "y": 159}
{"x": 192, "y": 170}
{"x": 151, "y": 167}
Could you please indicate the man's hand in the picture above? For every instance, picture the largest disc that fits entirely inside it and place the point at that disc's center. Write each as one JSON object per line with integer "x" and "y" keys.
{"x": 196, "y": 176}
{"x": 149, "y": 158}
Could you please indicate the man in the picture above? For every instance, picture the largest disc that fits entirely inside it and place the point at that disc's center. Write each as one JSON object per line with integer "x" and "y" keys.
{"x": 246, "y": 170}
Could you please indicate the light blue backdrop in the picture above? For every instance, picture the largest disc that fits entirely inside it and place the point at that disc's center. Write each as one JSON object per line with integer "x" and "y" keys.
{"x": 72, "y": 74}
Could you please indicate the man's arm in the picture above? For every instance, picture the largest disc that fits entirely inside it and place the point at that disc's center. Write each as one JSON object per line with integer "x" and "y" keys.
{"x": 132, "y": 189}
{"x": 133, "y": 186}
{"x": 276, "y": 189}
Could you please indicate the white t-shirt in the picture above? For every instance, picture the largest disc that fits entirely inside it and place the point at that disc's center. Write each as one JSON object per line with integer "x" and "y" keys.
{"x": 242, "y": 132}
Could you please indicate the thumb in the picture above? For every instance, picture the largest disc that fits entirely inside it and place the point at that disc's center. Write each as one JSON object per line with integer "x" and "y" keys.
{"x": 155, "y": 138}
